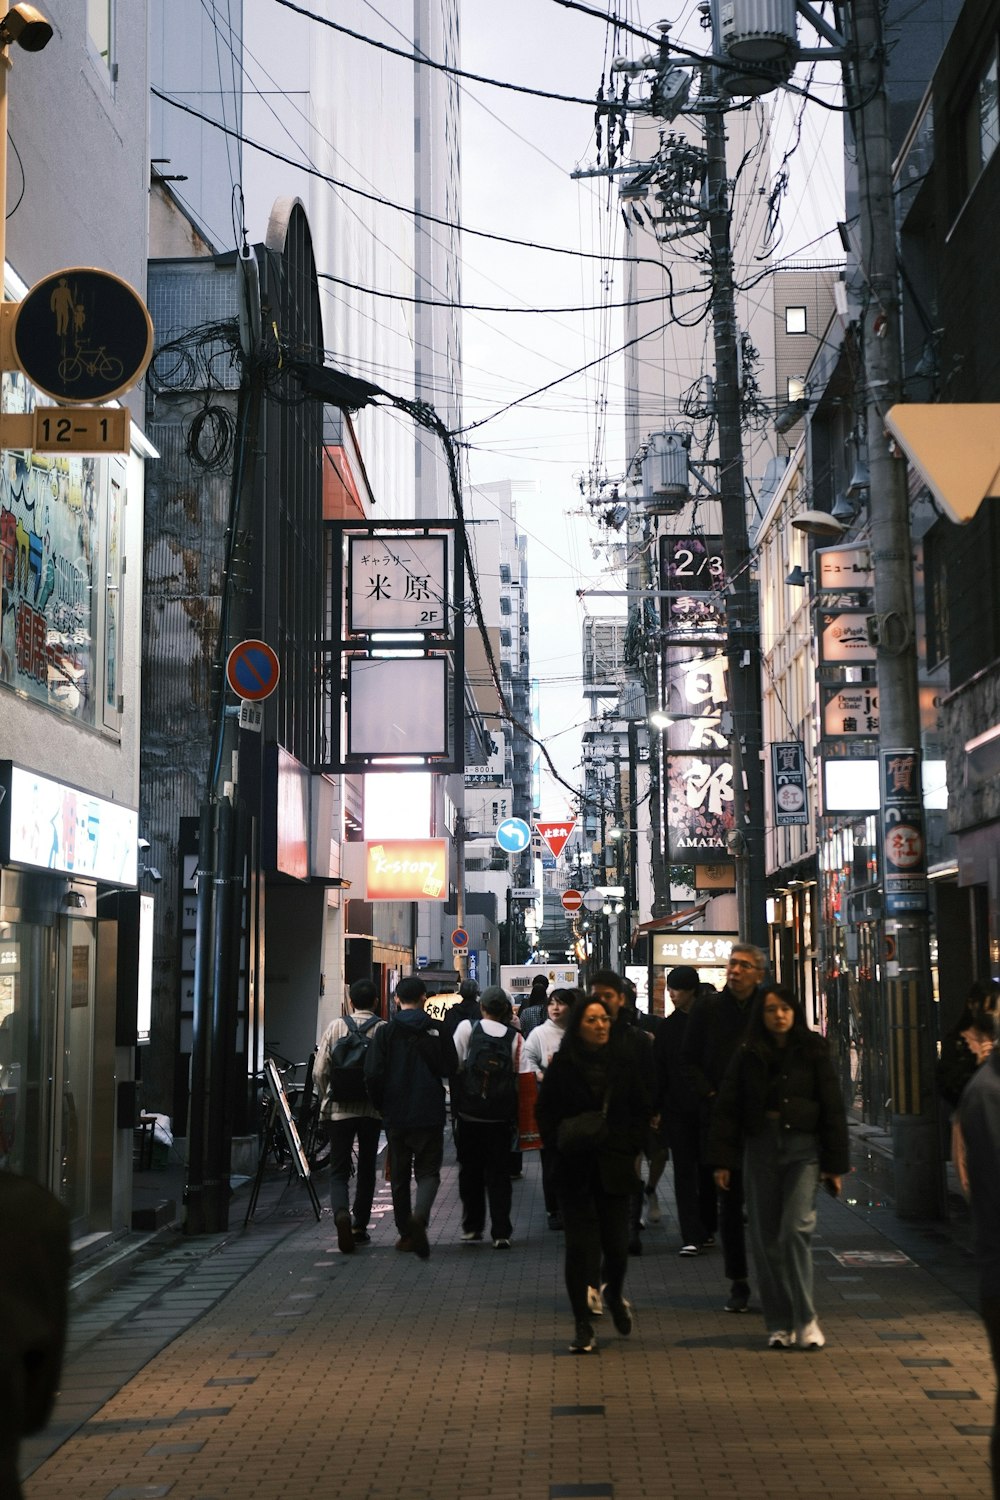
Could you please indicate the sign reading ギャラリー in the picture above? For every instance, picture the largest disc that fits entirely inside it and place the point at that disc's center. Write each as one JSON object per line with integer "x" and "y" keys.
{"x": 82, "y": 334}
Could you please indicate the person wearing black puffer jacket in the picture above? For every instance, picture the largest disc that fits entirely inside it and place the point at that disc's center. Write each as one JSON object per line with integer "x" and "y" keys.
{"x": 780, "y": 1115}
{"x": 593, "y": 1073}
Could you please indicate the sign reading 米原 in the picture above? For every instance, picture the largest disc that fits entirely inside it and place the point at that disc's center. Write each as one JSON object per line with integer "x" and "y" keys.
{"x": 397, "y": 582}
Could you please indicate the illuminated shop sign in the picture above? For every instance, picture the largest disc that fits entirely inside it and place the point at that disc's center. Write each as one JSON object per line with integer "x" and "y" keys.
{"x": 407, "y": 870}
{"x": 58, "y": 827}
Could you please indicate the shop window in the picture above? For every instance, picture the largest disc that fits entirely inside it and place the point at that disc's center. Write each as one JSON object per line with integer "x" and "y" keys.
{"x": 981, "y": 122}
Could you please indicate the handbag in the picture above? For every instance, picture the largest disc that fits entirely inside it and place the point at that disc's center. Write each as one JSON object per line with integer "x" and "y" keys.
{"x": 584, "y": 1132}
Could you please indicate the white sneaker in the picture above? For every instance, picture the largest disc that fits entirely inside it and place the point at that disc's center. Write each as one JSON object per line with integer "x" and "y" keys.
{"x": 594, "y": 1302}
{"x": 811, "y": 1336}
{"x": 780, "y": 1339}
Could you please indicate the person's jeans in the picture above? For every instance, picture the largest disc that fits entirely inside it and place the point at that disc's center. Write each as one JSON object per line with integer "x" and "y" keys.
{"x": 596, "y": 1225}
{"x": 483, "y": 1148}
{"x": 418, "y": 1153}
{"x": 781, "y": 1170}
{"x": 342, "y": 1137}
{"x": 989, "y": 1307}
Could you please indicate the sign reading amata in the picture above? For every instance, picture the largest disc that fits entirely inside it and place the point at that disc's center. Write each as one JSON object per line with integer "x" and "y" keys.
{"x": 407, "y": 870}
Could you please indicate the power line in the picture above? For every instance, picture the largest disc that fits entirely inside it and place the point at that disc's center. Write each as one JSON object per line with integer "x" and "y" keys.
{"x": 427, "y": 62}
{"x": 417, "y": 213}
{"x": 600, "y": 307}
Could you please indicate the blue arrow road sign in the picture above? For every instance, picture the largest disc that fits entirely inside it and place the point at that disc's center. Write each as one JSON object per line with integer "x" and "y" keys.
{"x": 513, "y": 835}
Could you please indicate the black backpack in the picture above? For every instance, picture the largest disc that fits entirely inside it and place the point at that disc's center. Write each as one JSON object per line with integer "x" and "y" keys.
{"x": 347, "y": 1062}
{"x": 487, "y": 1085}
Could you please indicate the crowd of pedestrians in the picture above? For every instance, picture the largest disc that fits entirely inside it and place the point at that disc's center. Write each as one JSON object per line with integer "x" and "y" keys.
{"x": 732, "y": 1086}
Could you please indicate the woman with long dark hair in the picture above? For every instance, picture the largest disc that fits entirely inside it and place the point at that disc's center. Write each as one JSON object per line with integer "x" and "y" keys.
{"x": 593, "y": 1112}
{"x": 780, "y": 1115}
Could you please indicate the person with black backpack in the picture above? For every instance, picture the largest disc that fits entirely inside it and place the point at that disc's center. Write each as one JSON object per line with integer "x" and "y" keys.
{"x": 484, "y": 1105}
{"x": 349, "y": 1114}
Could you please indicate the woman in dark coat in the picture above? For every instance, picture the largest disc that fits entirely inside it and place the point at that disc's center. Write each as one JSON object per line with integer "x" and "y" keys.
{"x": 780, "y": 1114}
{"x": 588, "y": 1074}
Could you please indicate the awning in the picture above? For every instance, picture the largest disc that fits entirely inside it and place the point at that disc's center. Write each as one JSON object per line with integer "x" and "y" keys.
{"x": 673, "y": 919}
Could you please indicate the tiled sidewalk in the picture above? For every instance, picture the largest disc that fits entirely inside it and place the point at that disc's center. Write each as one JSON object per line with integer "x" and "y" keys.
{"x": 376, "y": 1376}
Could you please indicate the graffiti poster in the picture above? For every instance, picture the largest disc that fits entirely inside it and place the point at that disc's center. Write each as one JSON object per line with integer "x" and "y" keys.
{"x": 48, "y": 602}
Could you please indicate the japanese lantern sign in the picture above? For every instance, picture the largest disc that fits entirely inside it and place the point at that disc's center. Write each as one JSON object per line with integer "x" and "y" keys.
{"x": 556, "y": 835}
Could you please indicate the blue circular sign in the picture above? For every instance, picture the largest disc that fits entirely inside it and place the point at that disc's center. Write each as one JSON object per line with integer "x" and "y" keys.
{"x": 460, "y": 938}
{"x": 252, "y": 671}
{"x": 513, "y": 835}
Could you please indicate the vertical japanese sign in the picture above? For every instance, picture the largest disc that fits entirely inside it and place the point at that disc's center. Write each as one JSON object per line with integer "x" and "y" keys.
{"x": 788, "y": 783}
{"x": 904, "y": 850}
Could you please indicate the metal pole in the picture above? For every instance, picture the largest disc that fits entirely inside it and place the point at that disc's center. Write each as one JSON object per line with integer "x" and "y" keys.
{"x": 919, "y": 1174}
{"x": 461, "y": 964}
{"x": 742, "y": 608}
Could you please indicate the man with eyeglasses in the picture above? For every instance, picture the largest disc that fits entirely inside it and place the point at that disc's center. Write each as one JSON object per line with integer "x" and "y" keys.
{"x": 715, "y": 1029}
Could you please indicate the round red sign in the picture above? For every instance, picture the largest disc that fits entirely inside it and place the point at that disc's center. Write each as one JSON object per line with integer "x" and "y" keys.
{"x": 572, "y": 900}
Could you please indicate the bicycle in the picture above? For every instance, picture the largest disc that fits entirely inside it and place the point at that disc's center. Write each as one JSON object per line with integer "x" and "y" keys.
{"x": 304, "y": 1107}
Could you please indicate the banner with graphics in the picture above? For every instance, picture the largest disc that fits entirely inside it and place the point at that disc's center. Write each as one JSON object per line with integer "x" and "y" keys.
{"x": 49, "y": 544}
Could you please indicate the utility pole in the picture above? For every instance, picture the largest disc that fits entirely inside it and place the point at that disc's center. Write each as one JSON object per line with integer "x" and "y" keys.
{"x": 672, "y": 174}
{"x": 919, "y": 1177}
{"x": 742, "y": 608}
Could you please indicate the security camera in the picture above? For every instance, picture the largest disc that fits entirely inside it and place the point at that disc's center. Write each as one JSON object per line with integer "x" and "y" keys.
{"x": 27, "y": 27}
{"x": 142, "y": 843}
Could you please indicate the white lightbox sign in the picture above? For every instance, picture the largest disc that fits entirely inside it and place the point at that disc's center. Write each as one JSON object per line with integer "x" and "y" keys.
{"x": 851, "y": 786}
{"x": 397, "y": 583}
{"x": 57, "y": 827}
{"x": 397, "y": 706}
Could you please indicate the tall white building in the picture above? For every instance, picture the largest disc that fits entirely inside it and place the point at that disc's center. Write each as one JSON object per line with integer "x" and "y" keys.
{"x": 71, "y": 544}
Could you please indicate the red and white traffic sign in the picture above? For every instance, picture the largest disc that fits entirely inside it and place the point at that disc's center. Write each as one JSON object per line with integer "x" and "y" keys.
{"x": 572, "y": 900}
{"x": 556, "y": 835}
{"x": 252, "y": 670}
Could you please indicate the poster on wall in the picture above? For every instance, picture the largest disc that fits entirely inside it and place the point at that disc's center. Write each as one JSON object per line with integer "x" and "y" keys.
{"x": 903, "y": 844}
{"x": 49, "y": 540}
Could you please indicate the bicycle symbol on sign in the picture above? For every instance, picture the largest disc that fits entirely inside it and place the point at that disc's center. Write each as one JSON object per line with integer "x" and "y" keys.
{"x": 93, "y": 362}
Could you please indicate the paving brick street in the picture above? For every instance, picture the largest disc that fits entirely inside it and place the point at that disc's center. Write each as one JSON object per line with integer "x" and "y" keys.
{"x": 266, "y": 1363}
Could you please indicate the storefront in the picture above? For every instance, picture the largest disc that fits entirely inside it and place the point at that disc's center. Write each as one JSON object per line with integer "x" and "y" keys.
{"x": 66, "y": 1045}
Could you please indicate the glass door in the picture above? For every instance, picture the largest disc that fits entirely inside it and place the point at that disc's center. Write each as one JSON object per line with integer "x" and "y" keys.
{"x": 73, "y": 1083}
